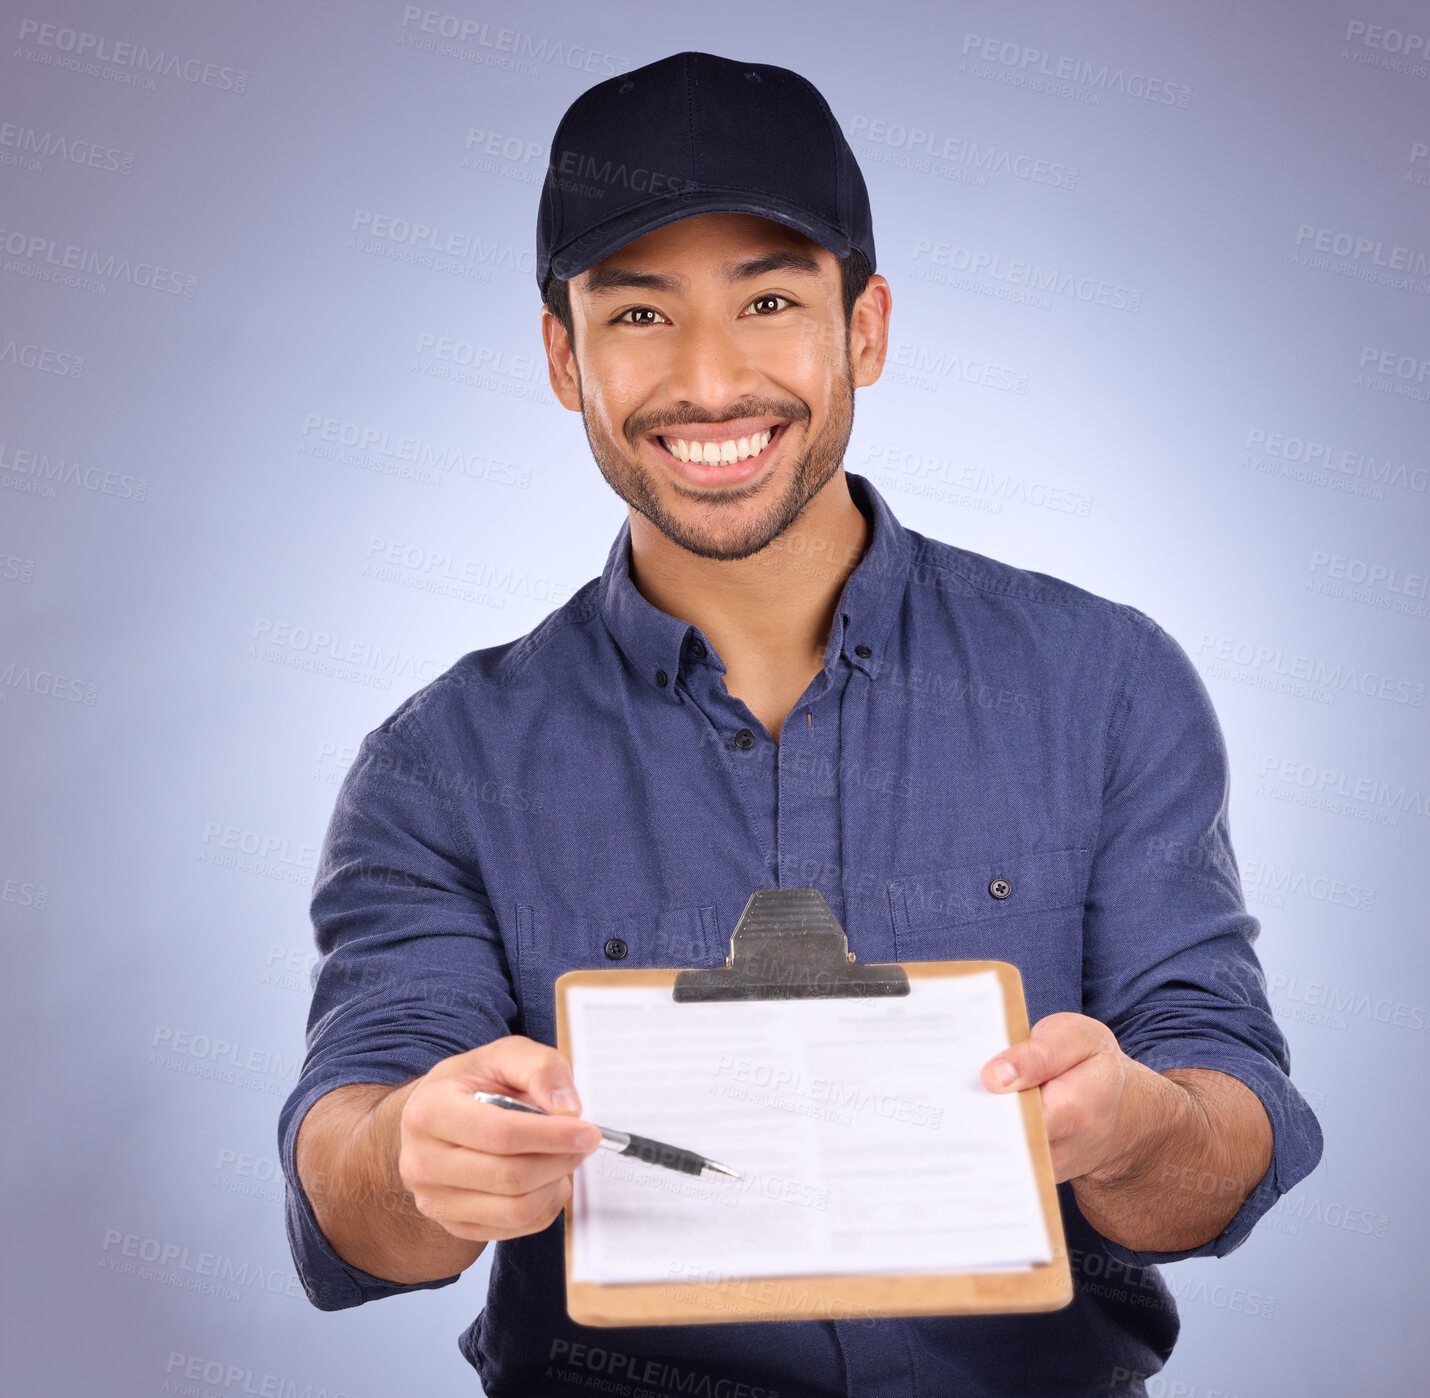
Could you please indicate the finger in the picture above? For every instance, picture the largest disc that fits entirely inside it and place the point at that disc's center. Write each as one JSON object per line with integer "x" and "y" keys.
{"x": 526, "y": 1069}
{"x": 456, "y": 1168}
{"x": 472, "y": 1214}
{"x": 1057, "y": 1043}
{"x": 449, "y": 1113}
{"x": 1064, "y": 1102}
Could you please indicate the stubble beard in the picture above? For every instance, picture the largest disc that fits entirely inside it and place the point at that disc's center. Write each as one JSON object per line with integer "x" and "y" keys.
{"x": 812, "y": 472}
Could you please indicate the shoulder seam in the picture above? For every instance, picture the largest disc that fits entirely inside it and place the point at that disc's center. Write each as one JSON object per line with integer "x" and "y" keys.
{"x": 529, "y": 646}
{"x": 925, "y": 553}
{"x": 1118, "y": 716}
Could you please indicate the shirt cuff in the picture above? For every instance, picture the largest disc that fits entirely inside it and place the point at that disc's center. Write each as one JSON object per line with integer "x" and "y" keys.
{"x": 1296, "y": 1142}
{"x": 331, "y": 1283}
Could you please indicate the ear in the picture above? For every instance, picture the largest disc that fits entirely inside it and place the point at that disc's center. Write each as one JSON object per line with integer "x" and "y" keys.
{"x": 869, "y": 331}
{"x": 560, "y": 362}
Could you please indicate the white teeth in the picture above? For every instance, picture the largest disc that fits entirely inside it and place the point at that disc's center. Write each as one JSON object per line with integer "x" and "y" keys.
{"x": 719, "y": 453}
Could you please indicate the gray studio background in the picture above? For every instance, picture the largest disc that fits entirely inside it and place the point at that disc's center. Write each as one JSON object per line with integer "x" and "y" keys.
{"x": 277, "y": 447}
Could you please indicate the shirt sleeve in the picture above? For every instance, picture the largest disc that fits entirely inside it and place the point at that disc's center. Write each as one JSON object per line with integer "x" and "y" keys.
{"x": 1168, "y": 958}
{"x": 412, "y": 970}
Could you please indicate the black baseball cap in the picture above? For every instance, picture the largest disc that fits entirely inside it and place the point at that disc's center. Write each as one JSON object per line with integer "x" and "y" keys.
{"x": 695, "y": 134}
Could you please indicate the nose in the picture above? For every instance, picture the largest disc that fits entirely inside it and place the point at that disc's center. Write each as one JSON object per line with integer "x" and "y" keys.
{"x": 709, "y": 366}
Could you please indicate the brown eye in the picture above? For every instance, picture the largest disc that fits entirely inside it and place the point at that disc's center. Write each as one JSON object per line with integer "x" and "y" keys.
{"x": 637, "y": 311}
{"x": 768, "y": 301}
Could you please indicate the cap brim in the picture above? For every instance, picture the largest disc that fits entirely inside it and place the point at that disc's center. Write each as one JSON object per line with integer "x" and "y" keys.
{"x": 601, "y": 241}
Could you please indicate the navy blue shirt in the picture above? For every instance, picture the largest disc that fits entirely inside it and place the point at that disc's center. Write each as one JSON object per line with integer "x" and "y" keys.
{"x": 594, "y": 780}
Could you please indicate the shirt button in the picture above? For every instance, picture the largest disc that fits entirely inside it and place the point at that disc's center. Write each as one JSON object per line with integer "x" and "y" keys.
{"x": 661, "y": 678}
{"x": 697, "y": 648}
{"x": 616, "y": 949}
{"x": 863, "y": 652}
{"x": 744, "y": 740}
{"x": 1000, "y": 888}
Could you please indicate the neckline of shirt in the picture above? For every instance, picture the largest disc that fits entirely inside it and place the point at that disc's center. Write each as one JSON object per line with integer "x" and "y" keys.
{"x": 658, "y": 645}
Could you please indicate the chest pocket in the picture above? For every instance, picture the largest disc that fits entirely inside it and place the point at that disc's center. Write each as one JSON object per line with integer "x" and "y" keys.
{"x": 552, "y": 940}
{"x": 1025, "y": 908}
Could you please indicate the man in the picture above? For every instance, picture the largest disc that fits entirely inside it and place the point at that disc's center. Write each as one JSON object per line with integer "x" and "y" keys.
{"x": 774, "y": 683}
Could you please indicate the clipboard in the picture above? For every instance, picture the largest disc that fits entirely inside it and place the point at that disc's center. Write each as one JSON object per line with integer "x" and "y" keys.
{"x": 789, "y": 945}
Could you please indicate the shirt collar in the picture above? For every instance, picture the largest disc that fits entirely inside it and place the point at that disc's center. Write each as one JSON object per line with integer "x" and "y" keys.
{"x": 660, "y": 645}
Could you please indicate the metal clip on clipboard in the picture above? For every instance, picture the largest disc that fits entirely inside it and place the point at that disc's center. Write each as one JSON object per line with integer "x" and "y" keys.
{"x": 788, "y": 945}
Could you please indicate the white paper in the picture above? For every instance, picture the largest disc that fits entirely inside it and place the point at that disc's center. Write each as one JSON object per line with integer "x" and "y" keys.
{"x": 866, "y": 1141}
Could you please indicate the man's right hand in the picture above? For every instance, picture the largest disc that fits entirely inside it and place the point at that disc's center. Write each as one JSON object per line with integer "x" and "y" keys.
{"x": 486, "y": 1173}
{"x": 410, "y": 1183}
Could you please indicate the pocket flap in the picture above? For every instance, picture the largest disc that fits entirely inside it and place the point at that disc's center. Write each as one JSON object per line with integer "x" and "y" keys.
{"x": 550, "y": 941}
{"x": 999, "y": 886}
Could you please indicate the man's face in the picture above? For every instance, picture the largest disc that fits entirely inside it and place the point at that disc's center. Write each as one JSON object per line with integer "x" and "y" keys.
{"x": 692, "y": 343}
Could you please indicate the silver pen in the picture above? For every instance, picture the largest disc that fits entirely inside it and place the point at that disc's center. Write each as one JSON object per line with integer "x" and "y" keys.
{"x": 623, "y": 1143}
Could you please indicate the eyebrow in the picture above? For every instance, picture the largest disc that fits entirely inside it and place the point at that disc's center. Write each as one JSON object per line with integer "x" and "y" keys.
{"x": 601, "y": 279}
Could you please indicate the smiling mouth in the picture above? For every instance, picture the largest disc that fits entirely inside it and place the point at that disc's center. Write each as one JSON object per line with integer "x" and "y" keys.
{"x": 720, "y": 453}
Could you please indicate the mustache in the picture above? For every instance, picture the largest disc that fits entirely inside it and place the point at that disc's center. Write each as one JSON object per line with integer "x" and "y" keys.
{"x": 642, "y": 425}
